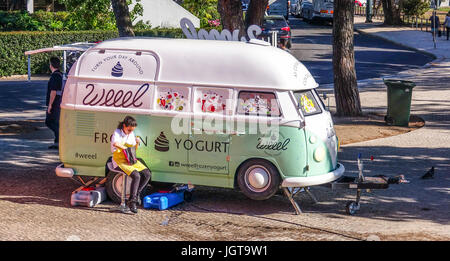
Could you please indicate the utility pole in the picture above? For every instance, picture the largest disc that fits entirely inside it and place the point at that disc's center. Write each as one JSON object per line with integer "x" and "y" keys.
{"x": 369, "y": 11}
{"x": 434, "y": 23}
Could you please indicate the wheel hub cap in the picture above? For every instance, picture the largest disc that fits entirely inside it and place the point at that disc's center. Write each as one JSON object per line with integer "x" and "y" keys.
{"x": 258, "y": 178}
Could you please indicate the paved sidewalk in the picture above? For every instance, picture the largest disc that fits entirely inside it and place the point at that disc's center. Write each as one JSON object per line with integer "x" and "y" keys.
{"x": 405, "y": 36}
{"x": 423, "y": 205}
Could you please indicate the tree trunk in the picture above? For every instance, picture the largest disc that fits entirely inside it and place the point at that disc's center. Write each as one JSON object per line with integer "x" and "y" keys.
{"x": 123, "y": 20}
{"x": 345, "y": 85}
{"x": 231, "y": 16}
{"x": 255, "y": 12}
{"x": 391, "y": 12}
{"x": 14, "y": 5}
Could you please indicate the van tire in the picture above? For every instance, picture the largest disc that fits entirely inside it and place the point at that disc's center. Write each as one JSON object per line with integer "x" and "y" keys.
{"x": 258, "y": 179}
{"x": 115, "y": 195}
{"x": 111, "y": 190}
{"x": 111, "y": 178}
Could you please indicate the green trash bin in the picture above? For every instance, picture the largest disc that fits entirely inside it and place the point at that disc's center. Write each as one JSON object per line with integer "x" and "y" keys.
{"x": 399, "y": 94}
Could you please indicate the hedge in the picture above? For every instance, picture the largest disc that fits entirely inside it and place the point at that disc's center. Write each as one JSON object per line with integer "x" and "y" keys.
{"x": 14, "y": 44}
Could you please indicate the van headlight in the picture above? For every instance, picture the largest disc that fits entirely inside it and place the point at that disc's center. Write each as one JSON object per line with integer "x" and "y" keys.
{"x": 319, "y": 154}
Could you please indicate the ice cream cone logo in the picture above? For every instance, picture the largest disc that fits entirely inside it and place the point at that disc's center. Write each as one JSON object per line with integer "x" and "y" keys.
{"x": 162, "y": 143}
{"x": 117, "y": 70}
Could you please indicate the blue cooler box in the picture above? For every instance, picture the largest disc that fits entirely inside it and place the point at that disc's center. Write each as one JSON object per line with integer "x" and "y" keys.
{"x": 163, "y": 201}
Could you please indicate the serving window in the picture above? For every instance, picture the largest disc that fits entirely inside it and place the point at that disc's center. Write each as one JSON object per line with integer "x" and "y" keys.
{"x": 258, "y": 104}
{"x": 172, "y": 99}
{"x": 212, "y": 100}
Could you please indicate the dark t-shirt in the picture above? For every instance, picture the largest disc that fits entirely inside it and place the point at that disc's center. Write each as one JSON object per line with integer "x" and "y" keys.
{"x": 434, "y": 21}
{"x": 54, "y": 84}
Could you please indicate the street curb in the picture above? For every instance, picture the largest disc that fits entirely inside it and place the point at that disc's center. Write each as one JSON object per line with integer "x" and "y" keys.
{"x": 399, "y": 44}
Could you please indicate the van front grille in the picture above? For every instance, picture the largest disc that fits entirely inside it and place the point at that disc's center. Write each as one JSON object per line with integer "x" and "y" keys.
{"x": 85, "y": 123}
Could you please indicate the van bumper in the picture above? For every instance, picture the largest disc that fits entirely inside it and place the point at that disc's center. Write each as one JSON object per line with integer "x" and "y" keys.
{"x": 299, "y": 182}
{"x": 64, "y": 172}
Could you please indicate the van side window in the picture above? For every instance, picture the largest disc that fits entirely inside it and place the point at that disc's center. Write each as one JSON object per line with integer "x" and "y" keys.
{"x": 209, "y": 100}
{"x": 258, "y": 104}
{"x": 172, "y": 99}
{"x": 307, "y": 102}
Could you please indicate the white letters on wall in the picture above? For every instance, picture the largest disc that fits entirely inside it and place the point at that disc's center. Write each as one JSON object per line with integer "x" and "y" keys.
{"x": 191, "y": 33}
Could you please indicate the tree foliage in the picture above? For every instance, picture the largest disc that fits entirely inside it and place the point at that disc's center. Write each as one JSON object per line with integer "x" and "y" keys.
{"x": 97, "y": 14}
{"x": 205, "y": 10}
{"x": 89, "y": 14}
{"x": 14, "y": 44}
{"x": 415, "y": 7}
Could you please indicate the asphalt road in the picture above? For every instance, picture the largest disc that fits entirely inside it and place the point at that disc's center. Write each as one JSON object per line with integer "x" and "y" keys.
{"x": 312, "y": 45}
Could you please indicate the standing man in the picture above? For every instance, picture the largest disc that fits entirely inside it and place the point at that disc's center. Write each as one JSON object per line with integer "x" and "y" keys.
{"x": 53, "y": 100}
{"x": 434, "y": 24}
{"x": 447, "y": 23}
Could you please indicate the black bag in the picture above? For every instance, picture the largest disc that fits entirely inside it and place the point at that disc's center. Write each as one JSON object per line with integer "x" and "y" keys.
{"x": 130, "y": 155}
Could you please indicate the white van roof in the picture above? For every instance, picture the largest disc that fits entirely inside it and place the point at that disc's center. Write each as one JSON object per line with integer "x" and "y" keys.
{"x": 202, "y": 63}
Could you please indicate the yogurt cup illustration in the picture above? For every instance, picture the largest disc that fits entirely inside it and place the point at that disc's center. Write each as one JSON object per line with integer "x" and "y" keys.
{"x": 162, "y": 143}
{"x": 117, "y": 70}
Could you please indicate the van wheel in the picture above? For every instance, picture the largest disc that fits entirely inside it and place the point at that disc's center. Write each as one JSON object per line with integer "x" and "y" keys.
{"x": 258, "y": 179}
{"x": 114, "y": 186}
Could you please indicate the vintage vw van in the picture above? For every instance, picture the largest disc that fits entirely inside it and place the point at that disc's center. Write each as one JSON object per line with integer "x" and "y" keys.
{"x": 200, "y": 107}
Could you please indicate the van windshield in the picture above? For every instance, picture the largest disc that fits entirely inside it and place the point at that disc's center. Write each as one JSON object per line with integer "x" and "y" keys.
{"x": 307, "y": 102}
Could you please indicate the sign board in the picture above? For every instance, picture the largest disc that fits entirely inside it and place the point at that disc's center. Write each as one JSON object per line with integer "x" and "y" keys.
{"x": 191, "y": 33}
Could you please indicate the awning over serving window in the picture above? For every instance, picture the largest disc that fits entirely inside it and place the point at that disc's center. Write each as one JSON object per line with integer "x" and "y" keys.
{"x": 80, "y": 46}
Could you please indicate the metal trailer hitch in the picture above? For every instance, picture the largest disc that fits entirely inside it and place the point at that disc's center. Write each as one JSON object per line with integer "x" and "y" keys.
{"x": 346, "y": 182}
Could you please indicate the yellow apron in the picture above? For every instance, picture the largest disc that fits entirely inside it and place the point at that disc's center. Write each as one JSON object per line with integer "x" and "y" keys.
{"x": 119, "y": 158}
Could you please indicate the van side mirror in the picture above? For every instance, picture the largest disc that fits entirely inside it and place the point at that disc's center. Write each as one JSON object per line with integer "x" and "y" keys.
{"x": 326, "y": 98}
{"x": 302, "y": 124}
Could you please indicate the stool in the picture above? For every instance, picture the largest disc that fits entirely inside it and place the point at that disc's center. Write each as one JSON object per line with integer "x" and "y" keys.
{"x": 123, "y": 208}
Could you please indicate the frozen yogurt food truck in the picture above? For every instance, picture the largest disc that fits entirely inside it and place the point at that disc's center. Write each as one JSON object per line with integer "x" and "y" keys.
{"x": 197, "y": 103}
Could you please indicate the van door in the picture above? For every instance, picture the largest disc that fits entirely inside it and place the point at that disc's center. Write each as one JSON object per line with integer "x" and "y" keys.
{"x": 209, "y": 146}
{"x": 208, "y": 152}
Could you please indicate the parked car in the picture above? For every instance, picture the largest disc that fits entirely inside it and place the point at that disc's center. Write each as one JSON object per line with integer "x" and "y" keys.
{"x": 306, "y": 8}
{"x": 276, "y": 23}
{"x": 293, "y": 8}
{"x": 279, "y": 7}
{"x": 318, "y": 10}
